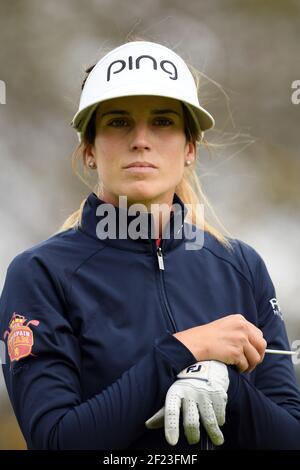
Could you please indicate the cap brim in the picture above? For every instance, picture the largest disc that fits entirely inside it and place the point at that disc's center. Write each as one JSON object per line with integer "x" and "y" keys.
{"x": 202, "y": 118}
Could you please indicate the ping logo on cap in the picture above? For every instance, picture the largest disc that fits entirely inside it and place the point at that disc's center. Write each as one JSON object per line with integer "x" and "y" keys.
{"x": 166, "y": 65}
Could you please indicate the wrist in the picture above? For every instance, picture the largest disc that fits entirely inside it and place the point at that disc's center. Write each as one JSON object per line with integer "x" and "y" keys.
{"x": 199, "y": 348}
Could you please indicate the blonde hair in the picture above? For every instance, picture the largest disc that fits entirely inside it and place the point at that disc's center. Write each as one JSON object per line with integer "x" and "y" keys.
{"x": 189, "y": 189}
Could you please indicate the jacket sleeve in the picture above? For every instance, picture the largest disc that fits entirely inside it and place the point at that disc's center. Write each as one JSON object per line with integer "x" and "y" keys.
{"x": 45, "y": 386}
{"x": 264, "y": 413}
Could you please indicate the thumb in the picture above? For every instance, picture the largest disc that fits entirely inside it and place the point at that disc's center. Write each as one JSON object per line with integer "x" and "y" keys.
{"x": 157, "y": 420}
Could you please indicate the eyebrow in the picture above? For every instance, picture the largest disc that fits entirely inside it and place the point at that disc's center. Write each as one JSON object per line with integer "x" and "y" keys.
{"x": 154, "y": 111}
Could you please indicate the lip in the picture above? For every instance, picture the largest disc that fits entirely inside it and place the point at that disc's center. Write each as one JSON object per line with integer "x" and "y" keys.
{"x": 140, "y": 169}
{"x": 140, "y": 165}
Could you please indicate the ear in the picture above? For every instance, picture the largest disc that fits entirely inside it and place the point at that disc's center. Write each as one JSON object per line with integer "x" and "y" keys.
{"x": 88, "y": 152}
{"x": 190, "y": 151}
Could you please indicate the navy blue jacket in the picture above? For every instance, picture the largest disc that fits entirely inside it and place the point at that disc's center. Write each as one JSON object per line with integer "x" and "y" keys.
{"x": 89, "y": 324}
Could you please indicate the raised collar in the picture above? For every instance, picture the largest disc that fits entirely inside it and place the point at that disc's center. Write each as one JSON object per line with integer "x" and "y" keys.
{"x": 172, "y": 237}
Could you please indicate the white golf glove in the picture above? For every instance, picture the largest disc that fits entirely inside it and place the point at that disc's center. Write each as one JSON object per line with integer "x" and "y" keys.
{"x": 202, "y": 388}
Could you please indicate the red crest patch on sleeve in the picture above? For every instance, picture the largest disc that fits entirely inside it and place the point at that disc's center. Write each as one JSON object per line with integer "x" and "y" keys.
{"x": 20, "y": 337}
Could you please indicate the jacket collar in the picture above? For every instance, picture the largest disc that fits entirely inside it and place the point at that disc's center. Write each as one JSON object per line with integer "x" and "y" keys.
{"x": 94, "y": 223}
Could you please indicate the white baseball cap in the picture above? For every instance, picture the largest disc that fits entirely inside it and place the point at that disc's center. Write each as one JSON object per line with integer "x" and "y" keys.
{"x": 140, "y": 68}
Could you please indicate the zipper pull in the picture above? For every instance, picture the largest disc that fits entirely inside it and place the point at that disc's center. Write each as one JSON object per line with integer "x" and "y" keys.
{"x": 160, "y": 258}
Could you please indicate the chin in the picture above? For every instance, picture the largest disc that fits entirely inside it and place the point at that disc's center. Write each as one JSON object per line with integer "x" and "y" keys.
{"x": 141, "y": 192}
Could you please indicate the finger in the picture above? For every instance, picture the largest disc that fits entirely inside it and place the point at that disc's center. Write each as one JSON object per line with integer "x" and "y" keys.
{"x": 209, "y": 421}
{"x": 257, "y": 340}
{"x": 219, "y": 406}
{"x": 252, "y": 356}
{"x": 191, "y": 421}
{"x": 157, "y": 420}
{"x": 172, "y": 412}
{"x": 242, "y": 363}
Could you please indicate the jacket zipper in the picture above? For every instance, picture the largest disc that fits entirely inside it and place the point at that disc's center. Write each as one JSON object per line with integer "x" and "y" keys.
{"x": 161, "y": 266}
{"x": 160, "y": 258}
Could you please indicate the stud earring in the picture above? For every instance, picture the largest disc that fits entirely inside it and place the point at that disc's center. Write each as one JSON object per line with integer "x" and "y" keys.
{"x": 188, "y": 162}
{"x": 92, "y": 164}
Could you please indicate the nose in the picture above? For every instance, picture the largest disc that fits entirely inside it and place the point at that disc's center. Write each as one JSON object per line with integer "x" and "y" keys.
{"x": 140, "y": 138}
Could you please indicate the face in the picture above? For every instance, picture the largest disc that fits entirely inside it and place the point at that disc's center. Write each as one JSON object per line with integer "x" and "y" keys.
{"x": 144, "y": 129}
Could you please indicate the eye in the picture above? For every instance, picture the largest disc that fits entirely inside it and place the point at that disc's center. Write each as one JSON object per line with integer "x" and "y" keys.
{"x": 118, "y": 122}
{"x": 164, "y": 121}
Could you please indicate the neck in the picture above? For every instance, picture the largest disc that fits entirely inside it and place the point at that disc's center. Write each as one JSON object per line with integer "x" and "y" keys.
{"x": 160, "y": 207}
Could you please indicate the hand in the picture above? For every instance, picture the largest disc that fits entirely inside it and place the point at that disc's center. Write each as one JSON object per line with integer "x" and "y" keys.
{"x": 202, "y": 388}
{"x": 231, "y": 339}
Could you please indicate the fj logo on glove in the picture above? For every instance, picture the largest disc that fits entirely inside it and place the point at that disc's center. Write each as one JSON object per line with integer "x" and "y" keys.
{"x": 194, "y": 368}
{"x": 119, "y": 65}
{"x": 276, "y": 308}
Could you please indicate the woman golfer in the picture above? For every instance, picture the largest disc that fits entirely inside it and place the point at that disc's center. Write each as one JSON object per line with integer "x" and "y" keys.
{"x": 138, "y": 313}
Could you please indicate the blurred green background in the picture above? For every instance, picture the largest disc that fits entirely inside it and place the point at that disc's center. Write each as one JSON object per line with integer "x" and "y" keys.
{"x": 250, "y": 48}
